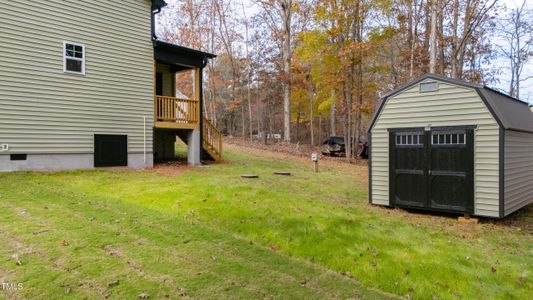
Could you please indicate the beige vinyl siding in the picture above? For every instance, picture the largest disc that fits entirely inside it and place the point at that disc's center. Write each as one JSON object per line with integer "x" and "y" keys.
{"x": 168, "y": 80}
{"x": 42, "y": 109}
{"x": 451, "y": 105}
{"x": 518, "y": 190}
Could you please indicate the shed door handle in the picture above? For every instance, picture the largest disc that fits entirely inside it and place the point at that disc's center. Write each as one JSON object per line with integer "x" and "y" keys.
{"x": 429, "y": 172}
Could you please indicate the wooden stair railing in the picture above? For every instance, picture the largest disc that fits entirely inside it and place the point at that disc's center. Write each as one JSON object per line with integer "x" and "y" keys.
{"x": 212, "y": 139}
{"x": 172, "y": 109}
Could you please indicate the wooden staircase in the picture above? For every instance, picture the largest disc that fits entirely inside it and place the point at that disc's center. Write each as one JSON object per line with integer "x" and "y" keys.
{"x": 212, "y": 140}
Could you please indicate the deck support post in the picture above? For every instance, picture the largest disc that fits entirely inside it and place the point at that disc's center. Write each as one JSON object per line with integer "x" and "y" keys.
{"x": 194, "y": 147}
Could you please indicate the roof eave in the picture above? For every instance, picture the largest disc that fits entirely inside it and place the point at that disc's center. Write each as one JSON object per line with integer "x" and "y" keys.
{"x": 159, "y": 43}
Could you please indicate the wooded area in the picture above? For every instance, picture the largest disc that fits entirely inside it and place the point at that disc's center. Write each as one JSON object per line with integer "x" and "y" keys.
{"x": 308, "y": 69}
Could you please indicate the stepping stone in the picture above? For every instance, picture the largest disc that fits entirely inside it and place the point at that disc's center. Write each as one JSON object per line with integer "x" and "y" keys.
{"x": 249, "y": 176}
{"x": 283, "y": 173}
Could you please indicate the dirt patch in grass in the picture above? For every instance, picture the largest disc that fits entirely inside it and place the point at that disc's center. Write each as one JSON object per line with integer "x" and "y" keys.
{"x": 170, "y": 168}
{"x": 522, "y": 220}
{"x": 519, "y": 221}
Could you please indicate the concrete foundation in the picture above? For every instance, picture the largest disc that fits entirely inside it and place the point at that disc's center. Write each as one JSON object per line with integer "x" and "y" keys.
{"x": 59, "y": 162}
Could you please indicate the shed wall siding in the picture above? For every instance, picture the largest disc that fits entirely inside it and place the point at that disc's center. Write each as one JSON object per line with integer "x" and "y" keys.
{"x": 449, "y": 106}
{"x": 518, "y": 190}
{"x": 44, "y": 110}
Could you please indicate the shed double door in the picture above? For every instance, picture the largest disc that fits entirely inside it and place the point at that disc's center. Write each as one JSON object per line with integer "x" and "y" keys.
{"x": 432, "y": 169}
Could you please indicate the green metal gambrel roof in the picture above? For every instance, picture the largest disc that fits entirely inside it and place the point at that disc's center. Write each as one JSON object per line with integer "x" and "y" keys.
{"x": 509, "y": 112}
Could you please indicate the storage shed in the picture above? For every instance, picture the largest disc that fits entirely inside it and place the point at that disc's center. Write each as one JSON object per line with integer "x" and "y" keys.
{"x": 446, "y": 145}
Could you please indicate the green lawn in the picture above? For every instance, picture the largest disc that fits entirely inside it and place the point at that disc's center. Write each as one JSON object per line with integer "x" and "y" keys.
{"x": 207, "y": 233}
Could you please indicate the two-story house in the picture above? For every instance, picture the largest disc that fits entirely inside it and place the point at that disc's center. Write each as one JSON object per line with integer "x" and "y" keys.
{"x": 87, "y": 84}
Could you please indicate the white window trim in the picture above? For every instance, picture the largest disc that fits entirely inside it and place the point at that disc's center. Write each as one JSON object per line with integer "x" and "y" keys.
{"x": 73, "y": 58}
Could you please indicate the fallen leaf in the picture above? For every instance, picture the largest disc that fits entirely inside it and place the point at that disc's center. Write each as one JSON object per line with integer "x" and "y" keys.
{"x": 144, "y": 295}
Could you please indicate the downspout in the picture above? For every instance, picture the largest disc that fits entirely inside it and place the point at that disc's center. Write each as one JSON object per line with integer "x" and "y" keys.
{"x": 156, "y": 8}
{"x": 154, "y": 12}
{"x": 144, "y": 139}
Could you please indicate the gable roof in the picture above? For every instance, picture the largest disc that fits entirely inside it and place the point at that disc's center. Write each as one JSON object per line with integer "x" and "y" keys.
{"x": 509, "y": 112}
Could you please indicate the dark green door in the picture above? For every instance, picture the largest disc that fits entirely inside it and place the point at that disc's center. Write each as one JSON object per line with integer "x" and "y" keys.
{"x": 451, "y": 167}
{"x": 408, "y": 168}
{"x": 432, "y": 169}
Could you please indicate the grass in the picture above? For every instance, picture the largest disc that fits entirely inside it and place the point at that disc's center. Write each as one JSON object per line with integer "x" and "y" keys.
{"x": 207, "y": 233}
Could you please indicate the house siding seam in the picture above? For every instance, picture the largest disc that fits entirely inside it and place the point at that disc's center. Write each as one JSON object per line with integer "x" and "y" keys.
{"x": 45, "y": 111}
{"x": 451, "y": 105}
{"x": 518, "y": 176}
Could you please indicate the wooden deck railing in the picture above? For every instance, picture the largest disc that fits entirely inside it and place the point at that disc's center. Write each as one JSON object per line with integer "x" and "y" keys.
{"x": 176, "y": 110}
{"x": 212, "y": 139}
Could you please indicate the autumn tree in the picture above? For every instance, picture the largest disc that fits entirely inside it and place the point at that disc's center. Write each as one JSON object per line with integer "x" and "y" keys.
{"x": 516, "y": 29}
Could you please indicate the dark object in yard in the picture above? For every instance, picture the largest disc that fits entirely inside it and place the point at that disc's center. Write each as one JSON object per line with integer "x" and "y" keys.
{"x": 362, "y": 148}
{"x": 39, "y": 232}
{"x": 249, "y": 176}
{"x": 283, "y": 173}
{"x": 334, "y": 146}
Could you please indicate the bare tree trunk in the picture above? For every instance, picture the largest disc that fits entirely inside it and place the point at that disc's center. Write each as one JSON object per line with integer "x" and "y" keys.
{"x": 359, "y": 81}
{"x": 243, "y": 131}
{"x": 427, "y": 31}
{"x": 286, "y": 6}
{"x": 433, "y": 37}
{"x": 455, "y": 22}
{"x": 416, "y": 19}
{"x": 440, "y": 32}
{"x": 319, "y": 133}
{"x": 311, "y": 116}
{"x": 410, "y": 37}
{"x": 259, "y": 110}
{"x": 249, "y": 73}
{"x": 298, "y": 121}
{"x": 333, "y": 117}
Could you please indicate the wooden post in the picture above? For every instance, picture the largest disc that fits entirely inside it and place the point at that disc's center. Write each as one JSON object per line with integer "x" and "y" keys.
{"x": 314, "y": 158}
{"x": 154, "y": 99}
{"x": 197, "y": 92}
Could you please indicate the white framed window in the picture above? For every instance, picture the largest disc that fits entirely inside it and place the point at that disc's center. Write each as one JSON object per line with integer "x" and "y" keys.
{"x": 448, "y": 139}
{"x": 409, "y": 139}
{"x": 73, "y": 58}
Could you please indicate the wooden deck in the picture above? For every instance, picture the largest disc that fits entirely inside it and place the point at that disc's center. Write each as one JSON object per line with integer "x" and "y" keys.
{"x": 177, "y": 113}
